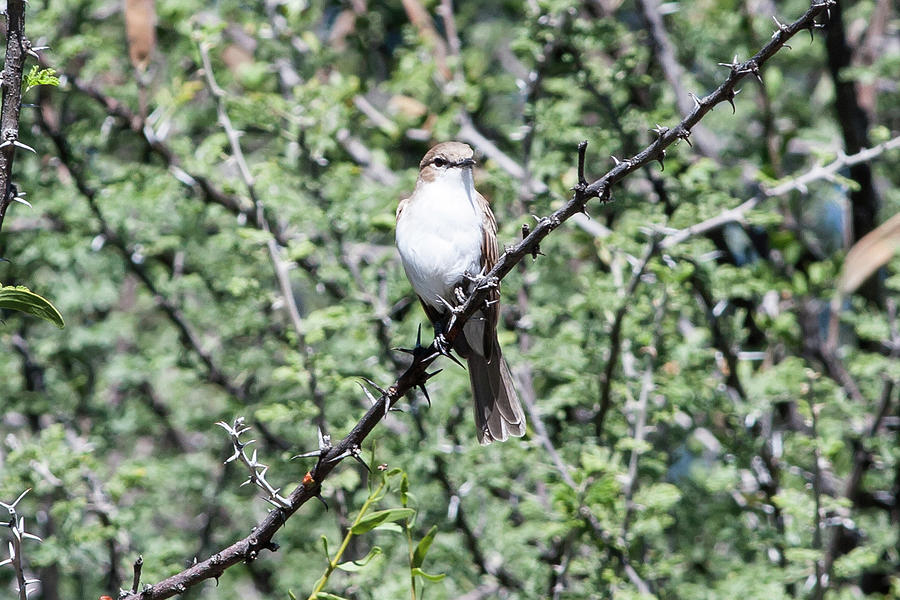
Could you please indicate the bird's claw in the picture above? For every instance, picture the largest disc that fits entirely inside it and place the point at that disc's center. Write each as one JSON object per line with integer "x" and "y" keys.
{"x": 487, "y": 283}
{"x": 481, "y": 282}
{"x": 442, "y": 346}
{"x": 454, "y": 309}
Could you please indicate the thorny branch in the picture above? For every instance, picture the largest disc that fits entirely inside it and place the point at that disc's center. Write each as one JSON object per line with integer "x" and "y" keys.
{"x": 257, "y": 469}
{"x": 11, "y": 80}
{"x": 17, "y": 531}
{"x": 248, "y": 548}
{"x": 673, "y": 72}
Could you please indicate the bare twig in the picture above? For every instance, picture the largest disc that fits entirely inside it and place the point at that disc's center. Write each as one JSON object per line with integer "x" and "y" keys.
{"x": 799, "y": 183}
{"x": 136, "y": 581}
{"x": 468, "y": 133}
{"x": 416, "y": 375}
{"x": 615, "y": 338}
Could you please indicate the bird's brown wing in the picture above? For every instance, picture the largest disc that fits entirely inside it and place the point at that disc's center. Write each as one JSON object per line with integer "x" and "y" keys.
{"x": 433, "y": 314}
{"x": 489, "y": 254}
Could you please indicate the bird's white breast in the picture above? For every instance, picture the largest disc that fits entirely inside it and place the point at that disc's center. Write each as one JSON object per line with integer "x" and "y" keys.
{"x": 439, "y": 235}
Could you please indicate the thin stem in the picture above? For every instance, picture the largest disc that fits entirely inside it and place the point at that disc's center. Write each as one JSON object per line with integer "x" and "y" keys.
{"x": 333, "y": 563}
{"x": 412, "y": 576}
{"x": 818, "y": 591}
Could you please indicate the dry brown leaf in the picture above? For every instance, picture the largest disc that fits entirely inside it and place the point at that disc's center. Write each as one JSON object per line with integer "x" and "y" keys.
{"x": 407, "y": 107}
{"x": 870, "y": 253}
{"x": 140, "y": 30}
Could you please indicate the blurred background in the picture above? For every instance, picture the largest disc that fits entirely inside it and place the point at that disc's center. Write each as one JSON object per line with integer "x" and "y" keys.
{"x": 713, "y": 413}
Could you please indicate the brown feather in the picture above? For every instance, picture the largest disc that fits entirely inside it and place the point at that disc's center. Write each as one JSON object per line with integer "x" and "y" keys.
{"x": 490, "y": 252}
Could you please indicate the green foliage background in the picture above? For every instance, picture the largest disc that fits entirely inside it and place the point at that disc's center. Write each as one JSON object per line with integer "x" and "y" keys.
{"x": 110, "y": 420}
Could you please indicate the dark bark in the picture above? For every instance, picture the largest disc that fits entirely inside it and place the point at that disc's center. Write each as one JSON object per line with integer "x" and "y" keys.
{"x": 12, "y": 98}
{"x": 854, "y": 124}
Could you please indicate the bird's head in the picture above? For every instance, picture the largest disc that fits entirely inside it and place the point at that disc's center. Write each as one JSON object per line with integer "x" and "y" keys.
{"x": 446, "y": 159}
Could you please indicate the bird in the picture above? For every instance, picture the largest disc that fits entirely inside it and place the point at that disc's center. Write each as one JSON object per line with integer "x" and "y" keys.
{"x": 446, "y": 236}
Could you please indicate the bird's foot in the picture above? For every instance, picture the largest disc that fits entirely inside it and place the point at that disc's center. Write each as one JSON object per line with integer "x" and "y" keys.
{"x": 454, "y": 309}
{"x": 441, "y": 344}
{"x": 482, "y": 282}
{"x": 443, "y": 347}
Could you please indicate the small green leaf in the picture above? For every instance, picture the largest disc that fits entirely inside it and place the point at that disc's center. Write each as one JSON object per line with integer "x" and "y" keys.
{"x": 38, "y": 76}
{"x": 423, "y": 546}
{"x": 352, "y": 566}
{"x": 419, "y": 572}
{"x": 370, "y": 522}
{"x": 291, "y": 595}
{"x": 404, "y": 490}
{"x": 325, "y": 545}
{"x": 22, "y": 299}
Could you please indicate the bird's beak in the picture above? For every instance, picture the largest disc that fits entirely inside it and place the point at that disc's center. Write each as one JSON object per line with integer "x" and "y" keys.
{"x": 468, "y": 162}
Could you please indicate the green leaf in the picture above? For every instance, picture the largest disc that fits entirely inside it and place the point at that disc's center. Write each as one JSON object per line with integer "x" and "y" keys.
{"x": 38, "y": 76}
{"x": 370, "y": 522}
{"x": 352, "y": 566}
{"x": 22, "y": 299}
{"x": 325, "y": 545}
{"x": 392, "y": 527}
{"x": 423, "y": 546}
{"x": 419, "y": 572}
{"x": 327, "y": 596}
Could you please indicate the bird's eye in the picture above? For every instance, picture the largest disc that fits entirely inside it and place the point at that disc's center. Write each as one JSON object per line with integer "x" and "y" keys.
{"x": 439, "y": 162}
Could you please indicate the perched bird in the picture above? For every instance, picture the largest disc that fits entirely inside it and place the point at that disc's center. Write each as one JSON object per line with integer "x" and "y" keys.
{"x": 447, "y": 238}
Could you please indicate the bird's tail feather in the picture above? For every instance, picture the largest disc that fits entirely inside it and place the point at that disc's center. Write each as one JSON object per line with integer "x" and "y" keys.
{"x": 498, "y": 413}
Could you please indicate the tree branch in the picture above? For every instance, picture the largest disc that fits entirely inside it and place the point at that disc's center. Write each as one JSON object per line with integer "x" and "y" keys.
{"x": 16, "y": 49}
{"x": 615, "y": 339}
{"x": 799, "y": 183}
{"x": 674, "y": 72}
